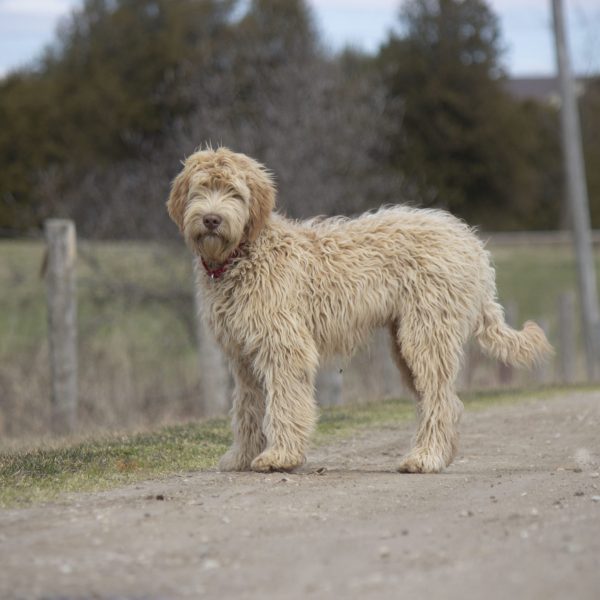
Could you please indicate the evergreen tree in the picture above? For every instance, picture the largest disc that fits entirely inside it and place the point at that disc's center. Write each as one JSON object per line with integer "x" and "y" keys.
{"x": 590, "y": 122}
{"x": 462, "y": 140}
{"x": 107, "y": 90}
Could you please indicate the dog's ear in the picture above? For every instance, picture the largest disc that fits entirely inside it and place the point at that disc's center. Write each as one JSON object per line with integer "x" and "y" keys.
{"x": 178, "y": 197}
{"x": 262, "y": 200}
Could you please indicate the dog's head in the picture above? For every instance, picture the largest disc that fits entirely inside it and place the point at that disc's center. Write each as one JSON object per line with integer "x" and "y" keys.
{"x": 220, "y": 200}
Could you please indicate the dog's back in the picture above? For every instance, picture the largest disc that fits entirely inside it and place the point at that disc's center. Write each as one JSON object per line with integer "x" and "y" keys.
{"x": 358, "y": 274}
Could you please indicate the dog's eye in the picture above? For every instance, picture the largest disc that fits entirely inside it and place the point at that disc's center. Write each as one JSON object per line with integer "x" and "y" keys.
{"x": 238, "y": 197}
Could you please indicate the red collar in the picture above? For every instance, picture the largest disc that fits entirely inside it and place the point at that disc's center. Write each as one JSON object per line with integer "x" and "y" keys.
{"x": 218, "y": 272}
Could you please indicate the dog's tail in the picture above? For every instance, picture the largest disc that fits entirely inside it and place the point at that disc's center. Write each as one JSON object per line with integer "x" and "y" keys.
{"x": 524, "y": 348}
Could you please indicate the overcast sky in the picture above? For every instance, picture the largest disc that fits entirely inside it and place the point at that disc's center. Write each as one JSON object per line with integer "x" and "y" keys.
{"x": 26, "y": 26}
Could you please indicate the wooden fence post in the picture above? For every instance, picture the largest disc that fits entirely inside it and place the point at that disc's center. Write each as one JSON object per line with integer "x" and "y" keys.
{"x": 62, "y": 322}
{"x": 215, "y": 382}
{"x": 566, "y": 331}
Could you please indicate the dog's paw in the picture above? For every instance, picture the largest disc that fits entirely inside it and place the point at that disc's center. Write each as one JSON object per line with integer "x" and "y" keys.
{"x": 234, "y": 460}
{"x": 273, "y": 460}
{"x": 421, "y": 461}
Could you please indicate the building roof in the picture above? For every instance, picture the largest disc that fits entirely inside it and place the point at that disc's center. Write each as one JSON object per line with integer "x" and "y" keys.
{"x": 542, "y": 89}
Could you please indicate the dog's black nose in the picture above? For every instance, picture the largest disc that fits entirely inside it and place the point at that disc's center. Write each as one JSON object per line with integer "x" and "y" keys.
{"x": 211, "y": 221}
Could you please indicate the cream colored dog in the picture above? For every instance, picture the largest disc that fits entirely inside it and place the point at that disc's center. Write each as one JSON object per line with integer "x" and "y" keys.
{"x": 280, "y": 294}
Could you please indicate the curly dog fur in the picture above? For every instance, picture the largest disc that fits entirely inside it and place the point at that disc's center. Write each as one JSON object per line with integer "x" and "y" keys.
{"x": 280, "y": 294}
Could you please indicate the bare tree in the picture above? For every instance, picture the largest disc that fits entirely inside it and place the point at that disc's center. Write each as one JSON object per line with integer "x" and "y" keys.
{"x": 319, "y": 129}
{"x": 320, "y": 123}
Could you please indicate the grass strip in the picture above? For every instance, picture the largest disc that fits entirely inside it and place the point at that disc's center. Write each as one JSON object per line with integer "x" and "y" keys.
{"x": 45, "y": 473}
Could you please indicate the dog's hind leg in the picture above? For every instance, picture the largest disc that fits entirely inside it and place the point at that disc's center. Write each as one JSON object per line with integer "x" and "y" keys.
{"x": 247, "y": 416}
{"x": 287, "y": 368}
{"x": 432, "y": 357}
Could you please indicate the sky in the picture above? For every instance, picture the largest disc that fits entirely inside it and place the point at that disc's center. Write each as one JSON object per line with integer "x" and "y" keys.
{"x": 26, "y": 26}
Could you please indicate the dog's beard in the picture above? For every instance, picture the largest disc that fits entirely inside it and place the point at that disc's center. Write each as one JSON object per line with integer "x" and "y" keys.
{"x": 214, "y": 246}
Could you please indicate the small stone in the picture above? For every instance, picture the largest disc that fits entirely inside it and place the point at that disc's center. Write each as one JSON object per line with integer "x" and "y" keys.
{"x": 534, "y": 512}
{"x": 210, "y": 564}
{"x": 578, "y": 493}
{"x": 595, "y": 498}
{"x": 465, "y": 513}
{"x": 384, "y": 552}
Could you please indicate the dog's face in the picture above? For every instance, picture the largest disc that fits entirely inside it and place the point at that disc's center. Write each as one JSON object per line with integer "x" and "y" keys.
{"x": 220, "y": 200}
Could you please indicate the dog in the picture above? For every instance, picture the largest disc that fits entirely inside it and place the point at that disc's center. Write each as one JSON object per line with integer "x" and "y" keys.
{"x": 279, "y": 295}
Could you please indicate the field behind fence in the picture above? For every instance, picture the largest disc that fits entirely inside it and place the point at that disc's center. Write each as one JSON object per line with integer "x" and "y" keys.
{"x": 137, "y": 336}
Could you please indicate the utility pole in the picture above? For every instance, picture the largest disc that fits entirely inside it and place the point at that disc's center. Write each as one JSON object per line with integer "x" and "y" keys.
{"x": 577, "y": 196}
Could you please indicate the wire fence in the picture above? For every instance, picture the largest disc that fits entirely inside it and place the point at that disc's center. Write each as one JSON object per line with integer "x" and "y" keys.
{"x": 137, "y": 335}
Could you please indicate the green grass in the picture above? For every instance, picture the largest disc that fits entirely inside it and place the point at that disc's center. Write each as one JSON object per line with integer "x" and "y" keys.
{"x": 120, "y": 283}
{"x": 535, "y": 277}
{"x": 43, "y": 474}
{"x": 119, "y": 288}
{"x": 110, "y": 274}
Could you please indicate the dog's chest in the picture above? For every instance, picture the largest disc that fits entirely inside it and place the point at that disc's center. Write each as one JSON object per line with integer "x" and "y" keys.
{"x": 230, "y": 312}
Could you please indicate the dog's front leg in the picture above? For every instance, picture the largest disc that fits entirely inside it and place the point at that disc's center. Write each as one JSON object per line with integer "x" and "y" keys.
{"x": 247, "y": 417}
{"x": 288, "y": 372}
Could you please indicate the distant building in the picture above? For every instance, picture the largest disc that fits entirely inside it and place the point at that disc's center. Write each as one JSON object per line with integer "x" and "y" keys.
{"x": 542, "y": 89}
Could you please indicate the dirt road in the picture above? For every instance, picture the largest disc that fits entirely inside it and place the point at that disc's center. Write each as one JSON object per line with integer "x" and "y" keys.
{"x": 516, "y": 516}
